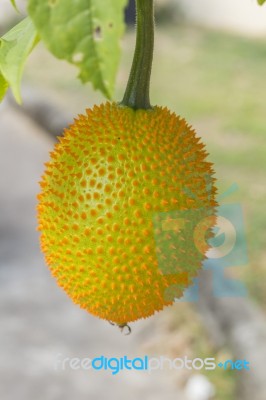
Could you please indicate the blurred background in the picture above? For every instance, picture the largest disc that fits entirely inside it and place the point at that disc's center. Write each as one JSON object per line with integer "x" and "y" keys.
{"x": 209, "y": 67}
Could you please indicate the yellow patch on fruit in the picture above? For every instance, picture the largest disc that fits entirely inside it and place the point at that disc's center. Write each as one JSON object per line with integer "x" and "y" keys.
{"x": 111, "y": 178}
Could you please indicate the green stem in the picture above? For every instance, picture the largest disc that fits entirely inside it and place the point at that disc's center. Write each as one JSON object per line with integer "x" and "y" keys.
{"x": 137, "y": 94}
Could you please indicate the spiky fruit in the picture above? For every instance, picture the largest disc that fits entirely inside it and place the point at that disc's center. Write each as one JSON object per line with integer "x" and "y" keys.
{"x": 113, "y": 182}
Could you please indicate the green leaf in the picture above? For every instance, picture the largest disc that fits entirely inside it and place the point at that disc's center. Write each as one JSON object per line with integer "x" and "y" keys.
{"x": 13, "y": 2}
{"x": 261, "y": 2}
{"x": 86, "y": 33}
{"x": 3, "y": 87}
{"x": 15, "y": 46}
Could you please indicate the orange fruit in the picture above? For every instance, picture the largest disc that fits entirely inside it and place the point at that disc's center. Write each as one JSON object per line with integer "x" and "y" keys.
{"x": 114, "y": 181}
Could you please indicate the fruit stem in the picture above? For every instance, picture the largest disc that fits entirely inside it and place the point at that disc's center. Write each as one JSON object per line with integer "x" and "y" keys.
{"x": 137, "y": 94}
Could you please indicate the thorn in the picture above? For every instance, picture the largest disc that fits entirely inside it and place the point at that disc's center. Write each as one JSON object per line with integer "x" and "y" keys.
{"x": 122, "y": 327}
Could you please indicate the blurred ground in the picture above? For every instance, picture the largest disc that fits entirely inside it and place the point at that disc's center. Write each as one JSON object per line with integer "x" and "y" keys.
{"x": 216, "y": 81}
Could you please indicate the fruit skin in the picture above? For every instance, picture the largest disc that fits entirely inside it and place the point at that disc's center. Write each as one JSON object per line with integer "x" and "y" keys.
{"x": 109, "y": 179}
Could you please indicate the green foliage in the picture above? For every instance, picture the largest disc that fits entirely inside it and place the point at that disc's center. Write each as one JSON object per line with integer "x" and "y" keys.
{"x": 85, "y": 33}
{"x": 15, "y": 46}
{"x": 3, "y": 87}
{"x": 261, "y": 2}
{"x": 13, "y": 2}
